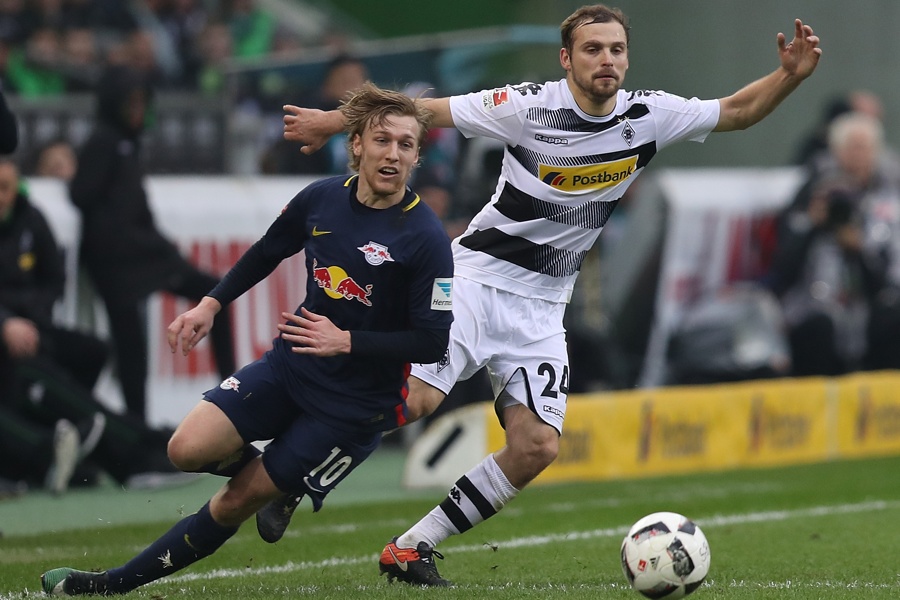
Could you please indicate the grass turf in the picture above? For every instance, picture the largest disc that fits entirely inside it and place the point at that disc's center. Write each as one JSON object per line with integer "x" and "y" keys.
{"x": 812, "y": 531}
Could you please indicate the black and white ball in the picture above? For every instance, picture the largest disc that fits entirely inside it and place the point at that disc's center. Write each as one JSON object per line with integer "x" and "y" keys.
{"x": 665, "y": 555}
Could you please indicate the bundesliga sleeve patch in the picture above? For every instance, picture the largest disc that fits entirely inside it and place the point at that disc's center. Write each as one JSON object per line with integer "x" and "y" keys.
{"x": 441, "y": 294}
{"x": 494, "y": 98}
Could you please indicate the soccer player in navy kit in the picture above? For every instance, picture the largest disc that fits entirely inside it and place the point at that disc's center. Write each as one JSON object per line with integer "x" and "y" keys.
{"x": 572, "y": 148}
{"x": 378, "y": 297}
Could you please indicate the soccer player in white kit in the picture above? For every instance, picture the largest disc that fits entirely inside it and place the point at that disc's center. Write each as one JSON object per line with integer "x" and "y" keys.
{"x": 573, "y": 146}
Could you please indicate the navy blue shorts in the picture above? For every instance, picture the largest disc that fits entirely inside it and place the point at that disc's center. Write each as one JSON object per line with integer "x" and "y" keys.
{"x": 306, "y": 455}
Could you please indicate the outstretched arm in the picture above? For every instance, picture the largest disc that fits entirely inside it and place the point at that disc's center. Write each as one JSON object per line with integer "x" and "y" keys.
{"x": 752, "y": 103}
{"x": 313, "y": 128}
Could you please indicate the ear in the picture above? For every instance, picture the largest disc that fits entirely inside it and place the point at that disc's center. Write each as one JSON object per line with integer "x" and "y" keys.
{"x": 565, "y": 60}
{"x": 356, "y": 145}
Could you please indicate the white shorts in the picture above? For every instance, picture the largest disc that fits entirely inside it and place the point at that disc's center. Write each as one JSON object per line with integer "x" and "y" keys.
{"x": 520, "y": 340}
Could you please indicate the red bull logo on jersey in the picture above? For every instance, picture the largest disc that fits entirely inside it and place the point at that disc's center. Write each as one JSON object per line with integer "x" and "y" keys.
{"x": 587, "y": 177}
{"x": 376, "y": 254}
{"x": 231, "y": 383}
{"x": 338, "y": 284}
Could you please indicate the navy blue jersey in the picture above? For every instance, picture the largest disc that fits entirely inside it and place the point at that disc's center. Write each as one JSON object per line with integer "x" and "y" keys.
{"x": 369, "y": 270}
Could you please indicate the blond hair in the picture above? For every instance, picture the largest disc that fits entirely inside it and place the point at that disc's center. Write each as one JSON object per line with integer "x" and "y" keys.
{"x": 370, "y": 106}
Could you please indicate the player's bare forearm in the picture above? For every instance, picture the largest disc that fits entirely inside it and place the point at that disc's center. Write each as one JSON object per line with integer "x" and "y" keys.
{"x": 752, "y": 103}
{"x": 313, "y": 128}
{"x": 441, "y": 109}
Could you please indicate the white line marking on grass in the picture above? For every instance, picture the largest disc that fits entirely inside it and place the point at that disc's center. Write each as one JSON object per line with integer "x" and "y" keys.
{"x": 543, "y": 540}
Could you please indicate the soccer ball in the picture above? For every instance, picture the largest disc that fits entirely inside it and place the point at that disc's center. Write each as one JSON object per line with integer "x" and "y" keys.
{"x": 665, "y": 555}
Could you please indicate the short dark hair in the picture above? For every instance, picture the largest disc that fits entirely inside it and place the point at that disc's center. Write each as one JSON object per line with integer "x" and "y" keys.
{"x": 594, "y": 13}
{"x": 370, "y": 106}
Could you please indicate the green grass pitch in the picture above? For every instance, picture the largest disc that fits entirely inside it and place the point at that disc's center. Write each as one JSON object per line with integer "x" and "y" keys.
{"x": 806, "y": 532}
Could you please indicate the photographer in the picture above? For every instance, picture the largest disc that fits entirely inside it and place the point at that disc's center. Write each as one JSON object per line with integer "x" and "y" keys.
{"x": 837, "y": 265}
{"x": 824, "y": 282}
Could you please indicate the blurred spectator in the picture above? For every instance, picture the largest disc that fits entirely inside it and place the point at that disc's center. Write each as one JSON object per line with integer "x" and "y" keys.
{"x": 35, "y": 69}
{"x": 184, "y": 21}
{"x": 125, "y": 255}
{"x": 48, "y": 372}
{"x": 33, "y": 279}
{"x": 215, "y": 48}
{"x": 286, "y": 44}
{"x": 824, "y": 283}
{"x": 13, "y": 25}
{"x": 252, "y": 28}
{"x": 837, "y": 265}
{"x": 56, "y": 159}
{"x": 81, "y": 61}
{"x": 142, "y": 57}
{"x": 344, "y": 74}
{"x": 860, "y": 101}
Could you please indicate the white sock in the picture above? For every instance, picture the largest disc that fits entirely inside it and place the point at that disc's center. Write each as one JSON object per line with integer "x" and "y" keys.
{"x": 477, "y": 496}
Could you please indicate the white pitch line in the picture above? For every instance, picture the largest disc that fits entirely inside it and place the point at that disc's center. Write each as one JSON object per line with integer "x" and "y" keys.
{"x": 543, "y": 540}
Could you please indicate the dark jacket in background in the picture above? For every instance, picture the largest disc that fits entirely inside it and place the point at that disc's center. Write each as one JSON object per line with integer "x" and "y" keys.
{"x": 9, "y": 131}
{"x": 126, "y": 256}
{"x": 120, "y": 241}
{"x": 32, "y": 275}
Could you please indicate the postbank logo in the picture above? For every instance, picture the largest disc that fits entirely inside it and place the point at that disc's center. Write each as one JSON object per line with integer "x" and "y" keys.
{"x": 587, "y": 177}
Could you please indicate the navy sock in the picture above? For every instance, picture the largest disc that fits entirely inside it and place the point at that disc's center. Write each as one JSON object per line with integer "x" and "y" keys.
{"x": 232, "y": 465}
{"x": 194, "y": 537}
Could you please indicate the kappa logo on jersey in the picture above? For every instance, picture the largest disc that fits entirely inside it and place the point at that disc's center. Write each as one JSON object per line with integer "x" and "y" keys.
{"x": 495, "y": 98}
{"x": 441, "y": 294}
{"x": 554, "y": 411}
{"x": 231, "y": 383}
{"x": 558, "y": 141}
{"x": 588, "y": 177}
{"x": 337, "y": 284}
{"x": 375, "y": 253}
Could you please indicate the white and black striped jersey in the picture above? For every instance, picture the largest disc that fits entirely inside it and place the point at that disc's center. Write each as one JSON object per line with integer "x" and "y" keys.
{"x": 563, "y": 173}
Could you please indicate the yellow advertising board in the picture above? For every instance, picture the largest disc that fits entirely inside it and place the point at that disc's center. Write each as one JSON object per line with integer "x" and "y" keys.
{"x": 868, "y": 414}
{"x": 693, "y": 428}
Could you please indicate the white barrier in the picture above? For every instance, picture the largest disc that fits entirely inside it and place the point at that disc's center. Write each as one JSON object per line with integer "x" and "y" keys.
{"x": 712, "y": 239}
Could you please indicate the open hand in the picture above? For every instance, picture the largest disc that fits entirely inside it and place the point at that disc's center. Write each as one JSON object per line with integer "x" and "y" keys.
{"x": 190, "y": 327}
{"x": 314, "y": 334}
{"x": 801, "y": 55}
{"x": 311, "y": 127}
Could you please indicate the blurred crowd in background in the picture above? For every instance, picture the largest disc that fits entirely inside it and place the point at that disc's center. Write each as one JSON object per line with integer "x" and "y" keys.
{"x": 50, "y": 47}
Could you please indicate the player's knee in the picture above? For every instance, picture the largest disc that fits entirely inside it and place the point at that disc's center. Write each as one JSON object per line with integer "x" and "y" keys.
{"x": 544, "y": 450}
{"x": 182, "y": 453}
{"x": 537, "y": 451}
